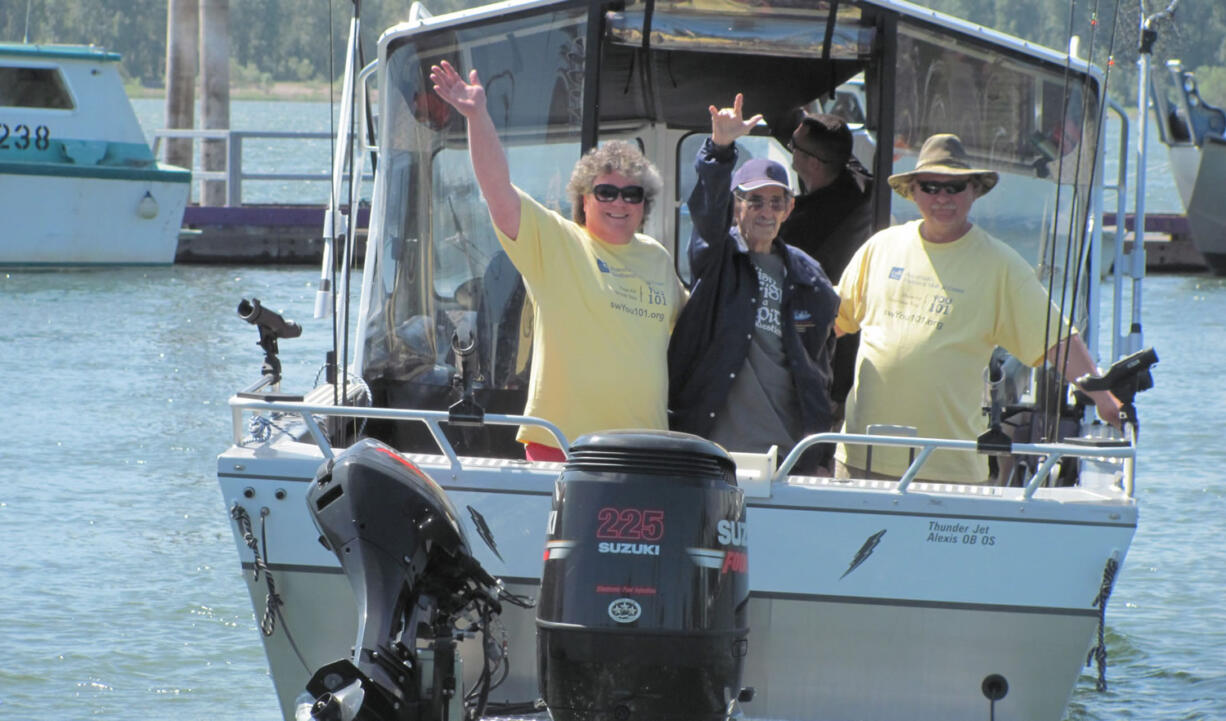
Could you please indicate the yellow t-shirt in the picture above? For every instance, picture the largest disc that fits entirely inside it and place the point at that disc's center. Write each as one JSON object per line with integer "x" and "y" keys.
{"x": 929, "y": 315}
{"x": 600, "y": 335}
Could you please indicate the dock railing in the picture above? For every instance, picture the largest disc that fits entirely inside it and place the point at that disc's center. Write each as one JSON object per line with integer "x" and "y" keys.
{"x": 234, "y": 174}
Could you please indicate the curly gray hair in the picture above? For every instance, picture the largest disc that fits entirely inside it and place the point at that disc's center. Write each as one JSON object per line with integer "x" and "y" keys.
{"x": 615, "y": 156}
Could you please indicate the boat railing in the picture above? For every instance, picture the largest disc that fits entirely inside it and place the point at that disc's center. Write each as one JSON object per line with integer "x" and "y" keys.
{"x": 1051, "y": 453}
{"x": 309, "y": 414}
{"x": 234, "y": 175}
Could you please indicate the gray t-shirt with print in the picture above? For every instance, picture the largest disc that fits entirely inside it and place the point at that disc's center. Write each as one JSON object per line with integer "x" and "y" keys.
{"x": 762, "y": 408}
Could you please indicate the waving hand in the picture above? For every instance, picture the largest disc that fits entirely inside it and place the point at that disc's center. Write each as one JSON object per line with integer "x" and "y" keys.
{"x": 727, "y": 124}
{"x": 466, "y": 97}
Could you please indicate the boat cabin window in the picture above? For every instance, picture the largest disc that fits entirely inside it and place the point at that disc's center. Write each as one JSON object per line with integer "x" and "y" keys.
{"x": 1030, "y": 121}
{"x": 26, "y": 87}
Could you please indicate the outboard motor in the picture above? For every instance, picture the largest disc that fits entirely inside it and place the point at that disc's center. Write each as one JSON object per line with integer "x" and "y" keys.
{"x": 405, "y": 553}
{"x": 643, "y": 605}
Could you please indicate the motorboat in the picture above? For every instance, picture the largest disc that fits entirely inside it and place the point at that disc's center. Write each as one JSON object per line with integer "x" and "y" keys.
{"x": 1194, "y": 133}
{"x": 872, "y": 599}
{"x": 82, "y": 186}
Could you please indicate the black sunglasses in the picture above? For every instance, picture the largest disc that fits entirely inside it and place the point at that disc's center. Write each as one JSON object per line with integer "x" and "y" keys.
{"x": 951, "y": 187}
{"x": 607, "y": 193}
{"x": 757, "y": 202}
{"x": 794, "y": 148}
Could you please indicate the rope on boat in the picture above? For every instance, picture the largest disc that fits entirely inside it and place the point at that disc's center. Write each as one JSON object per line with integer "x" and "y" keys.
{"x": 261, "y": 428}
{"x": 272, "y": 602}
{"x": 1099, "y": 652}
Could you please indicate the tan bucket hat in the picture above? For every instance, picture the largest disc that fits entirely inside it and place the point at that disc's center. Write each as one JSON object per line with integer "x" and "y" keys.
{"x": 943, "y": 154}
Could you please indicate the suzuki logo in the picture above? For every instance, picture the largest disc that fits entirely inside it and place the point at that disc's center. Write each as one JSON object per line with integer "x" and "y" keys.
{"x": 625, "y": 610}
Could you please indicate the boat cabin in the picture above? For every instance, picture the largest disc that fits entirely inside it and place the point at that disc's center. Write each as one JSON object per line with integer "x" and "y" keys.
{"x": 562, "y": 76}
{"x": 82, "y": 185}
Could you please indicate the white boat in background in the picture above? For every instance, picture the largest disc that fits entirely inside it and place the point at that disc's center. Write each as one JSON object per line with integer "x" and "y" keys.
{"x": 1195, "y": 136}
{"x": 874, "y": 600}
{"x": 81, "y": 186}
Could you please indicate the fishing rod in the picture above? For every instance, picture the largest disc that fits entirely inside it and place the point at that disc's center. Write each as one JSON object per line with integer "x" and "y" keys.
{"x": 1082, "y": 261}
{"x": 1051, "y": 404}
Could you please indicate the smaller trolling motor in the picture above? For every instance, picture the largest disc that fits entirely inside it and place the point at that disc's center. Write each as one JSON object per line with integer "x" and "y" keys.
{"x": 1125, "y": 378}
{"x": 401, "y": 545}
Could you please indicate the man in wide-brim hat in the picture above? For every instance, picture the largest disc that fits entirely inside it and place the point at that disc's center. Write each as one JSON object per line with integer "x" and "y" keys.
{"x": 931, "y": 299}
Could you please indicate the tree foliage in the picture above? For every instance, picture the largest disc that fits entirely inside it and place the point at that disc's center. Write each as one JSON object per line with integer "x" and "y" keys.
{"x": 295, "y": 40}
{"x": 1109, "y": 32}
{"x": 289, "y": 40}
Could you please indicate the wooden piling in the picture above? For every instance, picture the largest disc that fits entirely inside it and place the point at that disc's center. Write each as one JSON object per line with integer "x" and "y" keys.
{"x": 215, "y": 90}
{"x": 182, "y": 32}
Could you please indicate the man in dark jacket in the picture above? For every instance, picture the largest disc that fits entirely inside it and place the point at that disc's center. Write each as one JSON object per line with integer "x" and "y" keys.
{"x": 749, "y": 359}
{"x": 833, "y": 217}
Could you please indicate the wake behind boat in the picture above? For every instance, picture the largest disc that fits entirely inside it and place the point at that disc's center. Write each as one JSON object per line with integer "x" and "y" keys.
{"x": 81, "y": 184}
{"x": 881, "y": 599}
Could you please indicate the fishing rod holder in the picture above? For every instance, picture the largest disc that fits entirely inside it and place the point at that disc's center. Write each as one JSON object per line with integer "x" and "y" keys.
{"x": 272, "y": 325}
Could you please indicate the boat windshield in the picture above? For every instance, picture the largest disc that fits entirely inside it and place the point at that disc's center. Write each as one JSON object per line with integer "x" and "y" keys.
{"x": 440, "y": 267}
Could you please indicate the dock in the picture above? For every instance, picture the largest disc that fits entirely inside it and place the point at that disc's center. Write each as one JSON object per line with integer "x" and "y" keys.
{"x": 243, "y": 232}
{"x": 264, "y": 234}
{"x": 1168, "y": 242}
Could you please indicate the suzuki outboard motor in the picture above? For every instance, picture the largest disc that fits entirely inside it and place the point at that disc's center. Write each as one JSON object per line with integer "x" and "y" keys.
{"x": 404, "y": 551}
{"x": 644, "y": 593}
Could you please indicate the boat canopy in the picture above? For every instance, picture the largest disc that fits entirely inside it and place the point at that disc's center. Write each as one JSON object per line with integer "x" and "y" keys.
{"x": 563, "y": 76}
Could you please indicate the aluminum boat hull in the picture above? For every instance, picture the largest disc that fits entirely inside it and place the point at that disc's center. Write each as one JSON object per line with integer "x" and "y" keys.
{"x": 953, "y": 584}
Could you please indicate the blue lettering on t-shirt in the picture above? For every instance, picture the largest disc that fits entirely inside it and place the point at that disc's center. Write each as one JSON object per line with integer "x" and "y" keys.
{"x": 896, "y": 272}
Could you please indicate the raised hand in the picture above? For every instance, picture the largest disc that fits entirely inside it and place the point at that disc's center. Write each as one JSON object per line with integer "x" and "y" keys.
{"x": 727, "y": 124}
{"x": 466, "y": 97}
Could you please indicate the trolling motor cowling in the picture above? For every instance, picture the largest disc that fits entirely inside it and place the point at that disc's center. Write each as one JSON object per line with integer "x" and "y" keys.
{"x": 401, "y": 545}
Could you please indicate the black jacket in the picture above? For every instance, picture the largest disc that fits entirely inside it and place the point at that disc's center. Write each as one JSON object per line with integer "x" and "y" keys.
{"x": 711, "y": 339}
{"x": 831, "y": 224}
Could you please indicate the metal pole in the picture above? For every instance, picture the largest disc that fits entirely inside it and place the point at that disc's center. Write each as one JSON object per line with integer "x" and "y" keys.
{"x": 1149, "y": 35}
{"x": 1134, "y": 340}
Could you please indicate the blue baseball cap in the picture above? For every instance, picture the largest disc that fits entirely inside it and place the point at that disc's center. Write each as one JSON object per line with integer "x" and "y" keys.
{"x": 760, "y": 173}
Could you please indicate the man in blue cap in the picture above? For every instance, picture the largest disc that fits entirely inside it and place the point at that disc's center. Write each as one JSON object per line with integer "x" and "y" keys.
{"x": 749, "y": 359}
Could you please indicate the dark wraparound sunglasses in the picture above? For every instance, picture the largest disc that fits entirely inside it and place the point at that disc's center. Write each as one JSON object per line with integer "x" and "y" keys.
{"x": 607, "y": 193}
{"x": 952, "y": 187}
{"x": 794, "y": 148}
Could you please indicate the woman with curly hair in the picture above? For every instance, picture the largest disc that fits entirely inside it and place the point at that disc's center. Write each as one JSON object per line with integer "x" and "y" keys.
{"x": 605, "y": 295}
